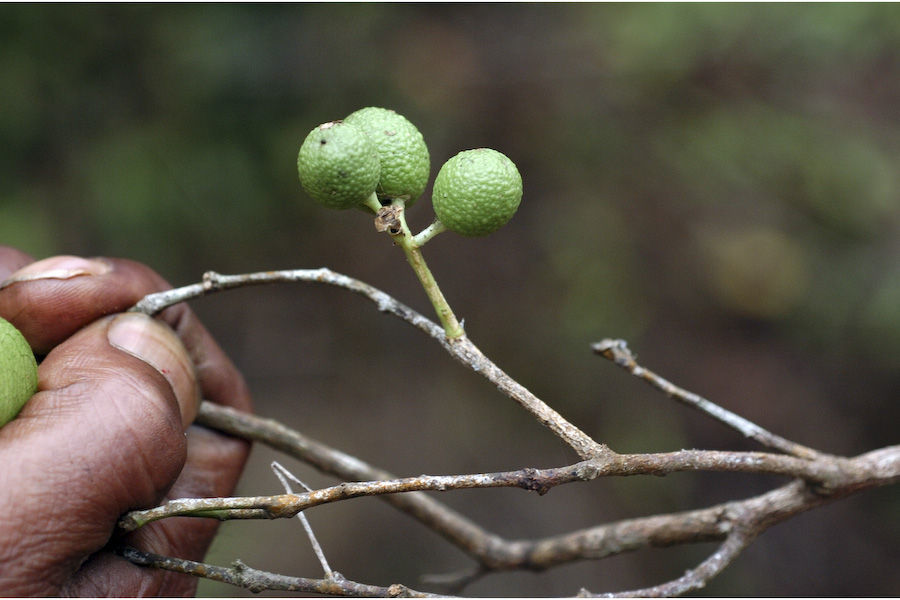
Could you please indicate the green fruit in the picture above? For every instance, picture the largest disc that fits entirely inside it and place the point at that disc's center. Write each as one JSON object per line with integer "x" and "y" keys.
{"x": 405, "y": 163}
{"x": 338, "y": 165}
{"x": 18, "y": 372}
{"x": 477, "y": 191}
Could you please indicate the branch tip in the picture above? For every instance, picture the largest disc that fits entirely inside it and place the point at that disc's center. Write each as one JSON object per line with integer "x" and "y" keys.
{"x": 620, "y": 354}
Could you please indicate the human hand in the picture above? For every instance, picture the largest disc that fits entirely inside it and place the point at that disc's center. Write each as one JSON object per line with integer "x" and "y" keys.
{"x": 108, "y": 431}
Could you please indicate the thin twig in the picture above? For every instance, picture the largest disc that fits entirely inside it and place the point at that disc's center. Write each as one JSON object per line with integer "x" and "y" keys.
{"x": 539, "y": 480}
{"x": 696, "y": 578}
{"x": 880, "y": 467}
{"x": 828, "y": 473}
{"x": 288, "y": 505}
{"x": 753, "y": 516}
{"x": 618, "y": 352}
{"x": 456, "y": 528}
{"x": 455, "y": 582}
{"x": 335, "y": 462}
{"x": 467, "y": 353}
{"x": 240, "y": 575}
{"x": 152, "y": 304}
{"x": 283, "y": 475}
{"x": 715, "y": 523}
{"x": 460, "y": 347}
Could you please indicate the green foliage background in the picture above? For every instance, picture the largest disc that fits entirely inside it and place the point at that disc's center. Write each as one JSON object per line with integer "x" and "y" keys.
{"x": 716, "y": 183}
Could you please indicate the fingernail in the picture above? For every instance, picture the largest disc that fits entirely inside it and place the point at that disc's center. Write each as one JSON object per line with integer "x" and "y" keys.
{"x": 58, "y": 267}
{"x": 158, "y": 346}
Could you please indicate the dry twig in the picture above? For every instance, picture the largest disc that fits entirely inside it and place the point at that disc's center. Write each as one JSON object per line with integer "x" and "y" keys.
{"x": 831, "y": 474}
{"x": 617, "y": 351}
{"x": 461, "y": 348}
{"x": 817, "y": 478}
{"x": 736, "y": 523}
{"x": 240, "y": 575}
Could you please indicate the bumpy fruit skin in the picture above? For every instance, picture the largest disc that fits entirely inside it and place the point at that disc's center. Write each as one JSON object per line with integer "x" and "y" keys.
{"x": 405, "y": 162}
{"x": 338, "y": 165}
{"x": 477, "y": 191}
{"x": 18, "y": 372}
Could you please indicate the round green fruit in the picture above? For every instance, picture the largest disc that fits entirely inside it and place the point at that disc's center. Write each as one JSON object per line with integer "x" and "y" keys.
{"x": 477, "y": 191}
{"x": 405, "y": 163}
{"x": 338, "y": 165}
{"x": 18, "y": 372}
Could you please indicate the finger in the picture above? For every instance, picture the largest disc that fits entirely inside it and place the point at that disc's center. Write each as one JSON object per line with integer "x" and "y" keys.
{"x": 103, "y": 435}
{"x": 51, "y": 299}
{"x": 205, "y": 475}
{"x": 156, "y": 345}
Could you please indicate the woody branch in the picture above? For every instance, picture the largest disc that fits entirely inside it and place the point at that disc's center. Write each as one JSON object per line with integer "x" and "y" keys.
{"x": 818, "y": 477}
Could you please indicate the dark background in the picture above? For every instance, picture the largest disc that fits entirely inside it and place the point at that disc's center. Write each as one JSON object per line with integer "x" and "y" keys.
{"x": 718, "y": 184}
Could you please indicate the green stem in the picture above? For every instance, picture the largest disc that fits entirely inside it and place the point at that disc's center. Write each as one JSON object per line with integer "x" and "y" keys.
{"x": 416, "y": 260}
{"x": 429, "y": 232}
{"x": 373, "y": 203}
{"x": 451, "y": 326}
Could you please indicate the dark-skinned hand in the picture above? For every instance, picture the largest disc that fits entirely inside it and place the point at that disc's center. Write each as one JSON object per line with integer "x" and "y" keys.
{"x": 109, "y": 430}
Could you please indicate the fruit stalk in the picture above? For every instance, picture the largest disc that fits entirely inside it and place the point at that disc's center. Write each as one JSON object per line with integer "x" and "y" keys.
{"x": 414, "y": 256}
{"x": 429, "y": 232}
{"x": 416, "y": 260}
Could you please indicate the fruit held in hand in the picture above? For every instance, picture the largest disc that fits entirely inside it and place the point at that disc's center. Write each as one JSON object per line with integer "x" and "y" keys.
{"x": 405, "y": 163}
{"x": 477, "y": 191}
{"x": 18, "y": 372}
{"x": 338, "y": 165}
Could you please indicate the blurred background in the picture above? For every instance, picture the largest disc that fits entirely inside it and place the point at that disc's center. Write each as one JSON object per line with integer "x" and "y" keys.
{"x": 718, "y": 184}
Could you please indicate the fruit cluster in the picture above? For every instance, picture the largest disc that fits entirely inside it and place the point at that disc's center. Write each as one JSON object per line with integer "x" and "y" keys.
{"x": 376, "y": 157}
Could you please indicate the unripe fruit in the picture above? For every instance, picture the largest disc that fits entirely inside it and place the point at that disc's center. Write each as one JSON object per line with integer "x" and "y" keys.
{"x": 338, "y": 165}
{"x": 405, "y": 163}
{"x": 18, "y": 372}
{"x": 477, "y": 191}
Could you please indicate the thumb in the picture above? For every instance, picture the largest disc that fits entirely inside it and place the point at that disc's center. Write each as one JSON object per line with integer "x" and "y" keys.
{"x": 158, "y": 346}
{"x": 103, "y": 435}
